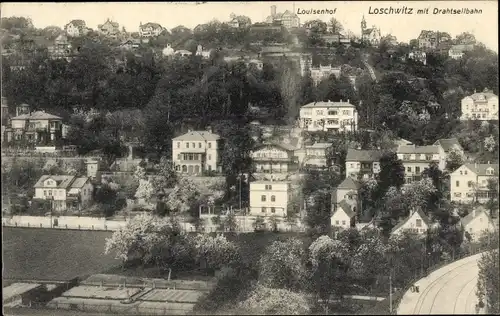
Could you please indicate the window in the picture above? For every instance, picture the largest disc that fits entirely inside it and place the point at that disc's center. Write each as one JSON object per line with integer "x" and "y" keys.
{"x": 178, "y": 144}
{"x": 179, "y": 157}
{"x": 187, "y": 145}
{"x": 269, "y": 187}
{"x": 457, "y": 183}
{"x": 273, "y": 210}
{"x": 263, "y": 198}
{"x": 194, "y": 145}
{"x": 345, "y": 112}
{"x": 465, "y": 172}
{"x": 273, "y": 198}
{"x": 408, "y": 169}
{"x": 470, "y": 184}
{"x": 419, "y": 223}
{"x": 332, "y": 112}
{"x": 209, "y": 145}
{"x": 50, "y": 192}
{"x": 457, "y": 194}
{"x": 263, "y": 210}
{"x": 209, "y": 157}
{"x": 343, "y": 222}
{"x": 352, "y": 165}
{"x": 461, "y": 173}
{"x": 417, "y": 169}
{"x": 428, "y": 157}
{"x": 337, "y": 222}
{"x": 319, "y": 112}
{"x": 406, "y": 157}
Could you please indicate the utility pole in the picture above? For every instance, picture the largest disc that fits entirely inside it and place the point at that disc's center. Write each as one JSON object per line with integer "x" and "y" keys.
{"x": 240, "y": 191}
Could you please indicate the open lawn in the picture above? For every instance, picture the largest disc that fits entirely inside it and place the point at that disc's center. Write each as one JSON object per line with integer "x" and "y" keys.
{"x": 53, "y": 254}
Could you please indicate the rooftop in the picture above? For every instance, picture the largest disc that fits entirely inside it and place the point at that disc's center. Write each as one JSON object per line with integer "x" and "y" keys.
{"x": 346, "y": 208}
{"x": 270, "y": 182}
{"x": 328, "y": 104}
{"x": 38, "y": 115}
{"x": 482, "y": 96}
{"x": 448, "y": 143}
{"x": 422, "y": 215}
{"x": 474, "y": 214}
{"x": 363, "y": 155}
{"x": 480, "y": 168}
{"x": 198, "y": 136}
{"x": 62, "y": 181}
{"x": 412, "y": 149}
{"x": 349, "y": 184}
{"x": 17, "y": 289}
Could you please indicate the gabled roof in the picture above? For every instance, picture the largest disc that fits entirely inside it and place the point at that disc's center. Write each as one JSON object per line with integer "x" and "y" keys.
{"x": 197, "y": 136}
{"x": 485, "y": 95}
{"x": 62, "y": 181}
{"x": 78, "y": 23}
{"x": 152, "y": 24}
{"x": 431, "y": 149}
{"x": 286, "y": 147}
{"x": 473, "y": 215}
{"x": 79, "y": 182}
{"x": 346, "y": 208}
{"x": 38, "y": 115}
{"x": 480, "y": 168}
{"x": 363, "y": 155}
{"x": 422, "y": 215}
{"x": 448, "y": 143}
{"x": 328, "y": 104}
{"x": 349, "y": 184}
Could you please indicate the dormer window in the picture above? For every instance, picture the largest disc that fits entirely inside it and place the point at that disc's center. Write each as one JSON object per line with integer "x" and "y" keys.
{"x": 489, "y": 171}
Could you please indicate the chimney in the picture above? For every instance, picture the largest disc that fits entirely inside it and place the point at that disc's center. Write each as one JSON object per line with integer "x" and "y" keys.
{"x": 340, "y": 100}
{"x": 273, "y": 10}
{"x": 347, "y": 100}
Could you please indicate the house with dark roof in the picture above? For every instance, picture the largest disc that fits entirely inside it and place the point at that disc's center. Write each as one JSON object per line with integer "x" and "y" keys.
{"x": 196, "y": 152}
{"x": 274, "y": 158}
{"x": 346, "y": 192}
{"x": 343, "y": 217}
{"x": 481, "y": 106}
{"x": 64, "y": 191}
{"x": 287, "y": 19}
{"x": 362, "y": 163}
{"x": 477, "y": 223}
{"x": 451, "y": 145}
{"x": 470, "y": 183}
{"x": 76, "y": 28}
{"x": 109, "y": 28}
{"x": 37, "y": 127}
{"x": 417, "y": 223}
{"x": 150, "y": 29}
{"x": 417, "y": 158}
{"x": 458, "y": 51}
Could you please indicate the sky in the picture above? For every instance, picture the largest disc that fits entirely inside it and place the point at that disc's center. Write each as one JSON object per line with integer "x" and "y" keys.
{"x": 190, "y": 14}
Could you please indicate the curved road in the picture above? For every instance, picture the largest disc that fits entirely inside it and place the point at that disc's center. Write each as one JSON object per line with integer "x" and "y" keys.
{"x": 449, "y": 290}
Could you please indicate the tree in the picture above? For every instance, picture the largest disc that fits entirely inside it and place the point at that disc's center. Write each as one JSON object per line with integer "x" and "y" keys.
{"x": 335, "y": 26}
{"x": 453, "y": 161}
{"x": 281, "y": 265}
{"x": 488, "y": 281}
{"x": 259, "y": 223}
{"x": 274, "y": 222}
{"x": 492, "y": 203}
{"x": 214, "y": 252}
{"x": 145, "y": 191}
{"x": 184, "y": 196}
{"x": 266, "y": 301}
{"x": 166, "y": 177}
{"x": 391, "y": 173}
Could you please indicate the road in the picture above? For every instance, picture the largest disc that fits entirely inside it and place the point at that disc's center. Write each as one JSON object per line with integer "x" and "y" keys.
{"x": 449, "y": 290}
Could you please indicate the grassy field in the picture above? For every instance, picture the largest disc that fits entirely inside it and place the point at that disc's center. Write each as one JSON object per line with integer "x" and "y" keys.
{"x": 52, "y": 254}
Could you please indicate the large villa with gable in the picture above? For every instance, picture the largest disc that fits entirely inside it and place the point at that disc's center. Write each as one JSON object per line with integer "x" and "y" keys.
{"x": 196, "y": 152}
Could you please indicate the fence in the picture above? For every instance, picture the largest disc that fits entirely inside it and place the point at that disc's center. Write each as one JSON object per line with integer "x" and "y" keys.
{"x": 116, "y": 308}
{"x": 382, "y": 308}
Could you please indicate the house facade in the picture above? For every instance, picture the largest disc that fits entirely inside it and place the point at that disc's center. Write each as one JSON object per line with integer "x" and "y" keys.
{"x": 417, "y": 223}
{"x": 481, "y": 106}
{"x": 458, "y": 51}
{"x": 429, "y": 40}
{"x": 419, "y": 56}
{"x": 287, "y": 19}
{"x": 313, "y": 156}
{"x": 328, "y": 116}
{"x": 61, "y": 47}
{"x": 477, "y": 223}
{"x": 469, "y": 183}
{"x": 416, "y": 159}
{"x": 370, "y": 35}
{"x": 343, "y": 217}
{"x": 362, "y": 163}
{"x": 196, "y": 152}
{"x": 150, "y": 29}
{"x": 65, "y": 192}
{"x": 76, "y": 28}
{"x": 274, "y": 158}
{"x": 269, "y": 198}
{"x": 36, "y": 128}
{"x": 109, "y": 28}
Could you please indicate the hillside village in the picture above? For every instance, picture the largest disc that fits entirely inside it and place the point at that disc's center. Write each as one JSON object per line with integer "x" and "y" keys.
{"x": 284, "y": 126}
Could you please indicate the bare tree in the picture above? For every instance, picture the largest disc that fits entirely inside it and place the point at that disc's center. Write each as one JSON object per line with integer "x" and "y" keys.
{"x": 335, "y": 25}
